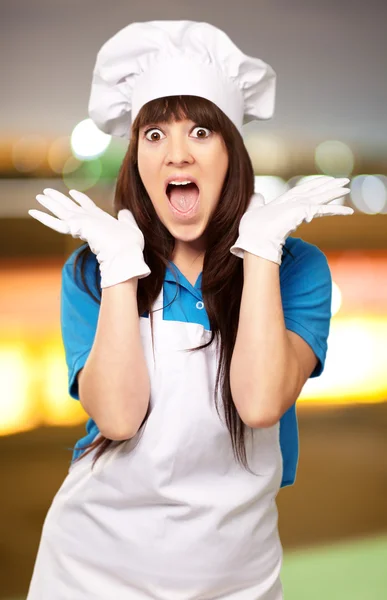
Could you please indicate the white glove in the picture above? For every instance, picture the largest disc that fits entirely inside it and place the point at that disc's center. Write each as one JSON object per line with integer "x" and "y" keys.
{"x": 117, "y": 243}
{"x": 264, "y": 228}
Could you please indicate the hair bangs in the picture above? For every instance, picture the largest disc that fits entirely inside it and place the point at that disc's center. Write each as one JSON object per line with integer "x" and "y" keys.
{"x": 177, "y": 108}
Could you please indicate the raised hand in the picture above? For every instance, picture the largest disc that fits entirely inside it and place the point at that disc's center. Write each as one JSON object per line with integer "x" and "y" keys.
{"x": 264, "y": 227}
{"x": 117, "y": 243}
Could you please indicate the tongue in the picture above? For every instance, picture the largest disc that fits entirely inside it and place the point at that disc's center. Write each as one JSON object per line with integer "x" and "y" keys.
{"x": 183, "y": 197}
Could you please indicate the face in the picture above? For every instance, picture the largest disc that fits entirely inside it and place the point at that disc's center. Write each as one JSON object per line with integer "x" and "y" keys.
{"x": 183, "y": 149}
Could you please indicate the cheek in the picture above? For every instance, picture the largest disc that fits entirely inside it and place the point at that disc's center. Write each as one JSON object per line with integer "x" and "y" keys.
{"x": 146, "y": 174}
{"x": 142, "y": 164}
{"x": 145, "y": 162}
{"x": 219, "y": 159}
{"x": 218, "y": 170}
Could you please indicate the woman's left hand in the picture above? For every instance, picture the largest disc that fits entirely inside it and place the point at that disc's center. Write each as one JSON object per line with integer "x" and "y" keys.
{"x": 263, "y": 229}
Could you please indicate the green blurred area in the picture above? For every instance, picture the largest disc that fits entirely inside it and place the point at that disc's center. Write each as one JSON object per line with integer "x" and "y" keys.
{"x": 345, "y": 571}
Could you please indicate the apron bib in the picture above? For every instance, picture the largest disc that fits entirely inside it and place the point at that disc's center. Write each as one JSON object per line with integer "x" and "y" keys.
{"x": 168, "y": 514}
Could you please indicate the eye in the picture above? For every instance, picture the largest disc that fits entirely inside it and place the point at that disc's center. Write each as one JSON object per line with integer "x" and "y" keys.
{"x": 204, "y": 129}
{"x": 159, "y": 130}
{"x": 151, "y": 129}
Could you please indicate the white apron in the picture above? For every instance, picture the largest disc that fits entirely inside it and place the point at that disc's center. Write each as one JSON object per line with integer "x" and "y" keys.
{"x": 175, "y": 517}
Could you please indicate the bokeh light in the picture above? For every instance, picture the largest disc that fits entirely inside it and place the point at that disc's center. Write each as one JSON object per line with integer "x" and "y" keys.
{"x": 59, "y": 153}
{"x": 84, "y": 176}
{"x": 336, "y": 299}
{"x": 334, "y": 158}
{"x": 57, "y": 409}
{"x": 268, "y": 153}
{"x": 112, "y": 159}
{"x": 29, "y": 153}
{"x": 87, "y": 141}
{"x": 383, "y": 179}
{"x": 356, "y": 362}
{"x": 269, "y": 186}
{"x": 71, "y": 165}
{"x": 17, "y": 410}
{"x": 369, "y": 193}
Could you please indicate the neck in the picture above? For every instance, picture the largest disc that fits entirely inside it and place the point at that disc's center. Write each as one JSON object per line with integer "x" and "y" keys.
{"x": 190, "y": 256}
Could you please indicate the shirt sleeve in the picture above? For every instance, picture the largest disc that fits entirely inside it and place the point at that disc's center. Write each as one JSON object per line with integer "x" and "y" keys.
{"x": 79, "y": 317}
{"x": 306, "y": 291}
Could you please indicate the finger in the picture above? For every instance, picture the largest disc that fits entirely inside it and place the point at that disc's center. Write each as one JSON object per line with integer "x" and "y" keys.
{"x": 50, "y": 221}
{"x": 328, "y": 196}
{"x": 311, "y": 184}
{"x": 322, "y": 186}
{"x": 83, "y": 200}
{"x": 55, "y": 206}
{"x": 333, "y": 210}
{"x": 310, "y": 189}
{"x": 61, "y": 199}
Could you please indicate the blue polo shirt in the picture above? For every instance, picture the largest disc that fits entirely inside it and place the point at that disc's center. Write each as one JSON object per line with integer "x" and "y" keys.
{"x": 306, "y": 287}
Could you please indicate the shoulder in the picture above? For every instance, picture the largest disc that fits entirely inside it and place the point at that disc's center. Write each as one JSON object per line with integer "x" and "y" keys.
{"x": 303, "y": 258}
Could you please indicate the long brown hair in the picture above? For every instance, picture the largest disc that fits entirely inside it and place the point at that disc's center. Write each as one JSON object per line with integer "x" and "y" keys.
{"x": 222, "y": 275}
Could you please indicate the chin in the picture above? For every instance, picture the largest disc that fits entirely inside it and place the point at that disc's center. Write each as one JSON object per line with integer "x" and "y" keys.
{"x": 185, "y": 232}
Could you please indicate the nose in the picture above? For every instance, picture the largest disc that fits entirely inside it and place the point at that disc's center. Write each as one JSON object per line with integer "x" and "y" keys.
{"x": 178, "y": 151}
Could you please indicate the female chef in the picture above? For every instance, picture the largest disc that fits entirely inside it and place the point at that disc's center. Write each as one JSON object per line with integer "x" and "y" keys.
{"x": 172, "y": 494}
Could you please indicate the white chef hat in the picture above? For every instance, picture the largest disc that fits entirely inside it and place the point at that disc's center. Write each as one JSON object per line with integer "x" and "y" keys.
{"x": 150, "y": 60}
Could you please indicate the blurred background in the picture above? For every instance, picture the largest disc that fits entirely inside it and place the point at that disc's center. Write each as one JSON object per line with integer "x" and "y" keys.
{"x": 331, "y": 118}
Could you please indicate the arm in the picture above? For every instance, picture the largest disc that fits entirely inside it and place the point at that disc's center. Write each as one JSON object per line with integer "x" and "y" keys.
{"x": 270, "y": 364}
{"x": 114, "y": 386}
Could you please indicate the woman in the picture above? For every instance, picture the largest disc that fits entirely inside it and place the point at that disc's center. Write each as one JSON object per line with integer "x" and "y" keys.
{"x": 171, "y": 495}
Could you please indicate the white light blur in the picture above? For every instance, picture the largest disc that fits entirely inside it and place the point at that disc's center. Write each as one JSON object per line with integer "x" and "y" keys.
{"x": 54, "y": 391}
{"x": 17, "y": 413}
{"x": 334, "y": 158}
{"x": 269, "y": 186}
{"x": 355, "y": 363}
{"x": 336, "y": 299}
{"x": 383, "y": 179}
{"x": 87, "y": 141}
{"x": 369, "y": 194}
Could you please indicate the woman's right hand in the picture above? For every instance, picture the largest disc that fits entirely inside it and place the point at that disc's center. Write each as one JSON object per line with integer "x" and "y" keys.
{"x": 117, "y": 243}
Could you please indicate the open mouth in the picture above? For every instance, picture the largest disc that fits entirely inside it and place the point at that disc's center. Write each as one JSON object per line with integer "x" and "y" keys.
{"x": 183, "y": 197}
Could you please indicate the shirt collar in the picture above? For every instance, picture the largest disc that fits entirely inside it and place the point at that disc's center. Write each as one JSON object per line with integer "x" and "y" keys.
{"x": 183, "y": 281}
